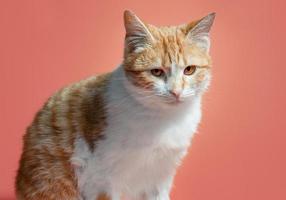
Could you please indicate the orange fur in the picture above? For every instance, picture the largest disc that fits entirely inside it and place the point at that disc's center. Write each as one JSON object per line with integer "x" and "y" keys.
{"x": 103, "y": 197}
{"x": 45, "y": 170}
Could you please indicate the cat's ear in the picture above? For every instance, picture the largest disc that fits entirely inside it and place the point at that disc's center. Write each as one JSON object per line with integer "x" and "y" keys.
{"x": 138, "y": 36}
{"x": 199, "y": 33}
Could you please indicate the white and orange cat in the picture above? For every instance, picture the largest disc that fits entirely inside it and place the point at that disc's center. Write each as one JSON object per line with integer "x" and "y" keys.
{"x": 123, "y": 133}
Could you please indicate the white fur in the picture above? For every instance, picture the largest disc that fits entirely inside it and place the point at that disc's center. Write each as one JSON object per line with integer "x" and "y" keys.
{"x": 144, "y": 143}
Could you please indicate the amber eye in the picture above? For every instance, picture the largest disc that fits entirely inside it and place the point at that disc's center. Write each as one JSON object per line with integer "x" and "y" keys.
{"x": 190, "y": 70}
{"x": 157, "y": 72}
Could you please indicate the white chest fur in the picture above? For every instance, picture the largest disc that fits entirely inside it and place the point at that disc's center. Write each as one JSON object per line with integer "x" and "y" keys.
{"x": 141, "y": 149}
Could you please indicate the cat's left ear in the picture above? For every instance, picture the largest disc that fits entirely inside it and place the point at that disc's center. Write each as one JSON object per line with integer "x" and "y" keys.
{"x": 199, "y": 33}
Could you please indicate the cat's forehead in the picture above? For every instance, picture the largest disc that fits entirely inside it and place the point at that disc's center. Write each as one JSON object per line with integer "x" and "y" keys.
{"x": 171, "y": 33}
{"x": 168, "y": 56}
{"x": 172, "y": 48}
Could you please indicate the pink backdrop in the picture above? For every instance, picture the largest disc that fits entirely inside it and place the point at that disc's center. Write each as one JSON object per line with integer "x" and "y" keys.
{"x": 239, "y": 152}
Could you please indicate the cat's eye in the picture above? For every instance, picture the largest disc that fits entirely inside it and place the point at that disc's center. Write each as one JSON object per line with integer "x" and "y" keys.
{"x": 157, "y": 72}
{"x": 190, "y": 70}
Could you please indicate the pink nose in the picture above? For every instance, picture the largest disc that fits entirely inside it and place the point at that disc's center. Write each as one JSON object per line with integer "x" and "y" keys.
{"x": 176, "y": 94}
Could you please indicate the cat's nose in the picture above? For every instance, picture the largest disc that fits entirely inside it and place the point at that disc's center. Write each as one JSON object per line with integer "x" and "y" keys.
{"x": 176, "y": 94}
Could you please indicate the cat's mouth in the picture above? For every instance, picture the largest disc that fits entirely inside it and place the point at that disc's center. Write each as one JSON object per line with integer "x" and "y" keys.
{"x": 175, "y": 101}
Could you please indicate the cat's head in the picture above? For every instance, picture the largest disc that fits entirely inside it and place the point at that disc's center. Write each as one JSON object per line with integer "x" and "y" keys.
{"x": 171, "y": 63}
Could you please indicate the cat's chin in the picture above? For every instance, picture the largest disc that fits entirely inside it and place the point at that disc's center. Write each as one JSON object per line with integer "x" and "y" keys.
{"x": 175, "y": 102}
{"x": 162, "y": 105}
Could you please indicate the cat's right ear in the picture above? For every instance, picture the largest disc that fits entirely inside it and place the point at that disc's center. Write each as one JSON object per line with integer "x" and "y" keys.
{"x": 138, "y": 36}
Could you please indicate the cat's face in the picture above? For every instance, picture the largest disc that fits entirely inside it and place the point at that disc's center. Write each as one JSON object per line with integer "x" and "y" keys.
{"x": 169, "y": 63}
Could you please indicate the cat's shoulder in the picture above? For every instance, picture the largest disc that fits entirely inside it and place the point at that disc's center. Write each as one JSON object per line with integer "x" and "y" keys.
{"x": 93, "y": 84}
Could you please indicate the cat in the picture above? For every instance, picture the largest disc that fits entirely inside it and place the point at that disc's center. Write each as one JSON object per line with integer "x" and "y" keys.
{"x": 122, "y": 133}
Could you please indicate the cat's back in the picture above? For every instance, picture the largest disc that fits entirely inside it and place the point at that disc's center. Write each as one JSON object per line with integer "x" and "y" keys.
{"x": 49, "y": 140}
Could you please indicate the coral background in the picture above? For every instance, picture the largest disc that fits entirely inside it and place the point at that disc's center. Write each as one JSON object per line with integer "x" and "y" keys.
{"x": 239, "y": 152}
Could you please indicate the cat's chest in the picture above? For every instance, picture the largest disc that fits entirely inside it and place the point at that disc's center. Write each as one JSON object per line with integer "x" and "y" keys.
{"x": 140, "y": 168}
{"x": 145, "y": 148}
{"x": 138, "y": 150}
